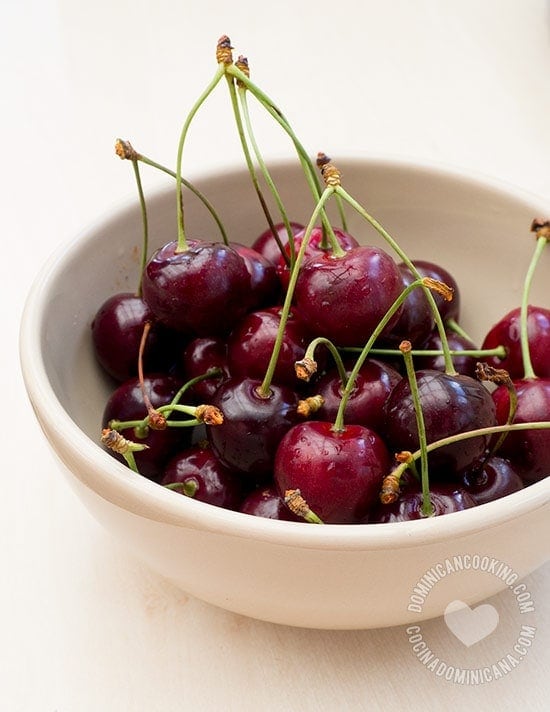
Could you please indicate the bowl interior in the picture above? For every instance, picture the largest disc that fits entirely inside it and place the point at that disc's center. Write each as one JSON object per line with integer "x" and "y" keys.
{"x": 476, "y": 228}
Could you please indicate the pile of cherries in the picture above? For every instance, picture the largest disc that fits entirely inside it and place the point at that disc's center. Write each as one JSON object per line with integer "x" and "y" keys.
{"x": 313, "y": 378}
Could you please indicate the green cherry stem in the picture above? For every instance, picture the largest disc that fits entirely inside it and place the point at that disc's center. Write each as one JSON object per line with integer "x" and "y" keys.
{"x": 264, "y": 388}
{"x": 309, "y": 358}
{"x": 499, "y": 351}
{"x": 427, "y": 507}
{"x": 422, "y": 282}
{"x": 182, "y": 242}
{"x": 449, "y": 367}
{"x": 542, "y": 230}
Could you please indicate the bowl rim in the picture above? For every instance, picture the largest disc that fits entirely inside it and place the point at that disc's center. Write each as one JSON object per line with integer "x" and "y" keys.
{"x": 114, "y": 482}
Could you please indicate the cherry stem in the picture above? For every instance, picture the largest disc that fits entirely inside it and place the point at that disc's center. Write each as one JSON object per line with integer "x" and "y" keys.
{"x": 350, "y": 385}
{"x": 143, "y": 206}
{"x": 427, "y": 507}
{"x": 188, "y": 488}
{"x": 182, "y": 242}
{"x": 449, "y": 367}
{"x": 480, "y": 432}
{"x": 335, "y": 353}
{"x": 454, "y": 326}
{"x": 242, "y": 93}
{"x": 529, "y": 372}
{"x": 500, "y": 377}
{"x": 204, "y": 200}
{"x": 277, "y": 114}
{"x": 265, "y": 388}
{"x": 246, "y": 152}
{"x": 298, "y": 506}
{"x": 499, "y": 351}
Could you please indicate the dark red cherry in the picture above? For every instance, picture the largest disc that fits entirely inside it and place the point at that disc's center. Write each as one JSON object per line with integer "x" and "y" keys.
{"x": 527, "y": 450}
{"x": 267, "y": 502}
{"x": 344, "y": 298}
{"x": 314, "y": 249}
{"x": 126, "y": 403}
{"x": 450, "y": 405}
{"x": 496, "y": 478}
{"x": 203, "y": 477}
{"x": 200, "y": 356}
{"x": 117, "y": 330}
{"x": 507, "y": 333}
{"x": 365, "y": 406}
{"x": 250, "y": 346}
{"x": 445, "y": 498}
{"x": 265, "y": 287}
{"x": 202, "y": 291}
{"x": 465, "y": 365}
{"x": 253, "y": 426}
{"x": 267, "y": 245}
{"x": 448, "y": 310}
{"x": 416, "y": 321}
{"x": 338, "y": 473}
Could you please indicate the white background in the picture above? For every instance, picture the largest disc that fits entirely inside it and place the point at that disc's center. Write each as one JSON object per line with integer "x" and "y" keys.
{"x": 83, "y": 626}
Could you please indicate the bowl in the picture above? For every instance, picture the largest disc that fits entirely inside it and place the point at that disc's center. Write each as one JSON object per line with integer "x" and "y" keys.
{"x": 332, "y": 577}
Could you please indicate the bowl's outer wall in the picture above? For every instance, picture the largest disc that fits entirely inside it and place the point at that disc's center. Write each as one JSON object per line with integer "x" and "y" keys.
{"x": 480, "y": 232}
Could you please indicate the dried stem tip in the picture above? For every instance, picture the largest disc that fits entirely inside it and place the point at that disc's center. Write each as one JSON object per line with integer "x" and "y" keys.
{"x": 389, "y": 492}
{"x": 440, "y": 287}
{"x": 405, "y": 347}
{"x": 541, "y": 227}
{"x": 404, "y": 456}
{"x": 125, "y": 150}
{"x": 224, "y": 55}
{"x": 242, "y": 64}
{"x": 322, "y": 159}
{"x": 209, "y": 415}
{"x": 118, "y": 443}
{"x": 331, "y": 174}
{"x": 499, "y": 376}
{"x": 156, "y": 420}
{"x": 310, "y": 405}
{"x": 305, "y": 368}
{"x": 298, "y": 506}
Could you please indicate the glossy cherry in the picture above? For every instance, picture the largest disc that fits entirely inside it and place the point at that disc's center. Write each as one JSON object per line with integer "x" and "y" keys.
{"x": 507, "y": 332}
{"x": 447, "y": 309}
{"x": 253, "y": 426}
{"x": 466, "y": 365}
{"x": 445, "y": 498}
{"x": 267, "y": 502}
{"x": 338, "y": 473}
{"x": 201, "y": 355}
{"x": 203, "y": 477}
{"x": 496, "y": 478}
{"x": 126, "y": 403}
{"x": 416, "y": 321}
{"x": 527, "y": 450}
{"x": 250, "y": 346}
{"x": 202, "y": 290}
{"x": 266, "y": 244}
{"x": 264, "y": 284}
{"x": 343, "y": 298}
{"x": 371, "y": 389}
{"x": 451, "y": 404}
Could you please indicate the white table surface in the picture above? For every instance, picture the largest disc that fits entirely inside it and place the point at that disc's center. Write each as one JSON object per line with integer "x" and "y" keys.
{"x": 85, "y": 627}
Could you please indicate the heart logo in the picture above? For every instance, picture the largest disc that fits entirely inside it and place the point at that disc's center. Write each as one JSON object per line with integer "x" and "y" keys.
{"x": 470, "y": 625}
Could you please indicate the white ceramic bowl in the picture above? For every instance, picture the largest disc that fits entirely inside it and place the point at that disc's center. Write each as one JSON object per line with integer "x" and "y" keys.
{"x": 338, "y": 576}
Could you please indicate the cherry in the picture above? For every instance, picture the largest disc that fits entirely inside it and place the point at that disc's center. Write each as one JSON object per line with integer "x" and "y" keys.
{"x": 456, "y": 342}
{"x": 266, "y": 244}
{"x": 415, "y": 322}
{"x": 445, "y": 498}
{"x": 196, "y": 473}
{"x": 264, "y": 283}
{"x": 202, "y": 290}
{"x": 451, "y": 404}
{"x": 253, "y": 425}
{"x": 117, "y": 330}
{"x": 449, "y": 310}
{"x": 267, "y": 502}
{"x": 343, "y": 298}
{"x": 371, "y": 389}
{"x": 250, "y": 346}
{"x": 496, "y": 478}
{"x": 528, "y": 450}
{"x": 200, "y": 356}
{"x": 338, "y": 472}
{"x": 507, "y": 332}
{"x": 126, "y": 404}
{"x": 316, "y": 247}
